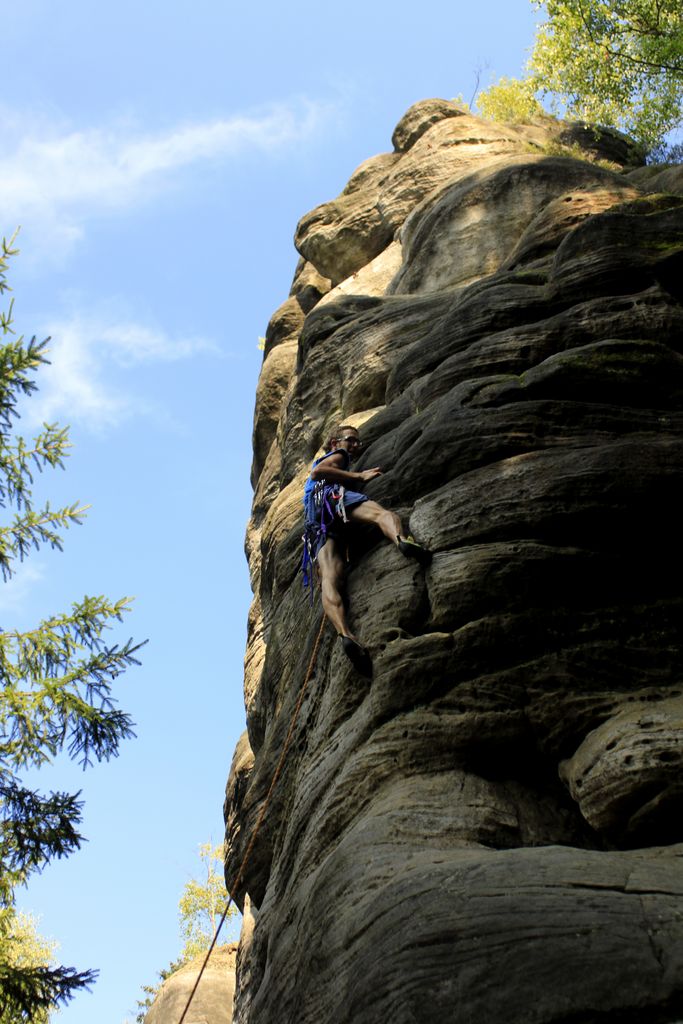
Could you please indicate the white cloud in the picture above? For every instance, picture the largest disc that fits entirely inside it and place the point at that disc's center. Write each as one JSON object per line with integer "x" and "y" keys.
{"x": 15, "y": 592}
{"x": 81, "y": 383}
{"x": 54, "y": 178}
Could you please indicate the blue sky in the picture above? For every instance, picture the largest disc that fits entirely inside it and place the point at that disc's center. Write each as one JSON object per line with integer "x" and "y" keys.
{"x": 158, "y": 157}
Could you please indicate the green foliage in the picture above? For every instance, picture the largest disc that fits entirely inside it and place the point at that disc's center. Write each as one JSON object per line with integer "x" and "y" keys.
{"x": 611, "y": 62}
{"x": 511, "y": 100}
{"x": 202, "y": 903}
{"x": 151, "y": 990}
{"x": 55, "y": 688}
{"x": 461, "y": 101}
{"x": 25, "y": 949}
{"x": 577, "y": 152}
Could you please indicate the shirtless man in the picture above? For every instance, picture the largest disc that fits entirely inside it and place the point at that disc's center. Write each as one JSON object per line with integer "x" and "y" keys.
{"x": 331, "y": 499}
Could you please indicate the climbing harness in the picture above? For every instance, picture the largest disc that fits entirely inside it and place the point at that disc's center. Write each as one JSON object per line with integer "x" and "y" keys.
{"x": 276, "y": 775}
{"x": 325, "y": 502}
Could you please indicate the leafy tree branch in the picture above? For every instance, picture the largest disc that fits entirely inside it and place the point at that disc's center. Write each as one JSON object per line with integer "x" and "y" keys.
{"x": 611, "y": 62}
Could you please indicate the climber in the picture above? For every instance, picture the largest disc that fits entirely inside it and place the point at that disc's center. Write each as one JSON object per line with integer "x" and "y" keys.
{"x": 330, "y": 505}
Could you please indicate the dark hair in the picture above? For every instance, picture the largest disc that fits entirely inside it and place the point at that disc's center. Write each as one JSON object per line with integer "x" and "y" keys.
{"x": 338, "y": 431}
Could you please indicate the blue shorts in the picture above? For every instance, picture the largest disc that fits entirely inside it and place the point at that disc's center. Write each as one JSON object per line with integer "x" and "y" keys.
{"x": 333, "y": 526}
{"x": 352, "y": 498}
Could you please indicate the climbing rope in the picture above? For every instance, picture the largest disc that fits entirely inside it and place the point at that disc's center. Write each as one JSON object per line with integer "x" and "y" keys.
{"x": 262, "y": 814}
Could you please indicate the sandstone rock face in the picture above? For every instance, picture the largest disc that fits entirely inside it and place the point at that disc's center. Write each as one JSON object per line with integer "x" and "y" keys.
{"x": 213, "y": 1000}
{"x": 658, "y": 179}
{"x": 437, "y": 143}
{"x": 491, "y": 829}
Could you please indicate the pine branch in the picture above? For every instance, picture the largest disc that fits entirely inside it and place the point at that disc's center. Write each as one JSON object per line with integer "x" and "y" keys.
{"x": 76, "y": 711}
{"x": 32, "y": 529}
{"x": 17, "y": 361}
{"x": 17, "y": 461}
{"x": 35, "y": 829}
{"x": 24, "y": 991}
{"x": 55, "y": 687}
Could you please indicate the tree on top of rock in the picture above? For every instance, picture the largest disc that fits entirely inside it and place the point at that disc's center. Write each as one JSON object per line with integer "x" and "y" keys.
{"x": 610, "y": 62}
{"x": 200, "y": 910}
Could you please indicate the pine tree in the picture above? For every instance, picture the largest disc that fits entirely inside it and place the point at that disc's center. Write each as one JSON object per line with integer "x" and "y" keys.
{"x": 55, "y": 685}
{"x": 26, "y": 948}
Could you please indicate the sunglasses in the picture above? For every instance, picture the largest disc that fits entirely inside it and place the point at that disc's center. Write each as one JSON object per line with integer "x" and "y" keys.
{"x": 351, "y": 440}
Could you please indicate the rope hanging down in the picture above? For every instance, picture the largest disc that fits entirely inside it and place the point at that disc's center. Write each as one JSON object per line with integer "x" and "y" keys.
{"x": 262, "y": 814}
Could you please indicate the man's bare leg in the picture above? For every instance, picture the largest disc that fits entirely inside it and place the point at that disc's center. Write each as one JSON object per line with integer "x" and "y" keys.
{"x": 332, "y": 571}
{"x": 390, "y": 525}
{"x": 372, "y": 512}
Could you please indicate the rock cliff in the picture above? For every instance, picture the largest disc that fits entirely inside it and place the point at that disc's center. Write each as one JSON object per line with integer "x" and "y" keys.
{"x": 491, "y": 829}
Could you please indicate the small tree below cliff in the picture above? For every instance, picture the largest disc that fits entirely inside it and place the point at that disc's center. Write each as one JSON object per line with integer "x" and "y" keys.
{"x": 202, "y": 903}
{"x": 200, "y": 909}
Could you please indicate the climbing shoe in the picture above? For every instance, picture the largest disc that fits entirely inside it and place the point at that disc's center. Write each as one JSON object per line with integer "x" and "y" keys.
{"x": 357, "y": 655}
{"x": 411, "y": 549}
